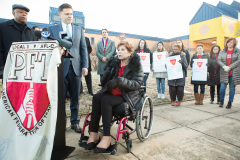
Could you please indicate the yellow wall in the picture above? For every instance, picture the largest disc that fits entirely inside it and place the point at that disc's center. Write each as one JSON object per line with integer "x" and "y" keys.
{"x": 220, "y": 28}
{"x": 206, "y": 29}
{"x": 229, "y": 26}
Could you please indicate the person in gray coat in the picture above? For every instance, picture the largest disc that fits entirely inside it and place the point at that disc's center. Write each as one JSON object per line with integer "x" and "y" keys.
{"x": 176, "y": 86}
{"x": 105, "y": 51}
{"x": 229, "y": 61}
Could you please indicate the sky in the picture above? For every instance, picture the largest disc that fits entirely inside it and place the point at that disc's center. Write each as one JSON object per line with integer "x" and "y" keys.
{"x": 156, "y": 18}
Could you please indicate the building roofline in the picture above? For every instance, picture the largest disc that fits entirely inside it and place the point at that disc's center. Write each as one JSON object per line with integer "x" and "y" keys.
{"x": 111, "y": 33}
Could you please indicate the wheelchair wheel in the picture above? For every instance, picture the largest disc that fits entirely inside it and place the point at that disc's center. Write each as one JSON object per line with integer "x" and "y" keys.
{"x": 144, "y": 119}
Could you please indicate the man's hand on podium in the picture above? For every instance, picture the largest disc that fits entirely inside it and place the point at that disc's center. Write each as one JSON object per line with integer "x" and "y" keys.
{"x": 84, "y": 72}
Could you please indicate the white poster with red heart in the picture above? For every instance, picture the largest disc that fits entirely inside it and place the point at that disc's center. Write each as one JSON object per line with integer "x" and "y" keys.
{"x": 174, "y": 68}
{"x": 159, "y": 61}
{"x": 145, "y": 61}
{"x": 199, "y": 70}
{"x": 28, "y": 106}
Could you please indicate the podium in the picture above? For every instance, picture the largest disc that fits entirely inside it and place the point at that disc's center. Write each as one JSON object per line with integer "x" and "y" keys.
{"x": 60, "y": 150}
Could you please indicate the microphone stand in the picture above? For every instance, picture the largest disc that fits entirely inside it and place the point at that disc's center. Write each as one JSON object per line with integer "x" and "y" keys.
{"x": 60, "y": 151}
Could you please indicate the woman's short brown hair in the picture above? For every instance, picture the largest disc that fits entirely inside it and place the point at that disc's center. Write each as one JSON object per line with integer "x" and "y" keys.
{"x": 177, "y": 45}
{"x": 234, "y": 42}
{"x": 128, "y": 46}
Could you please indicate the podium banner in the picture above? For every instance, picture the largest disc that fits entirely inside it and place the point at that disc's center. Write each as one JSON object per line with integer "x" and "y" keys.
{"x": 145, "y": 61}
{"x": 28, "y": 106}
{"x": 199, "y": 70}
{"x": 159, "y": 61}
{"x": 174, "y": 68}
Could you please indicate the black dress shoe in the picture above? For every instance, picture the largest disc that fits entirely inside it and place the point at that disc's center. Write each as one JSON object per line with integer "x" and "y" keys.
{"x": 229, "y": 105}
{"x": 221, "y": 104}
{"x": 91, "y": 145}
{"x": 76, "y": 128}
{"x": 103, "y": 150}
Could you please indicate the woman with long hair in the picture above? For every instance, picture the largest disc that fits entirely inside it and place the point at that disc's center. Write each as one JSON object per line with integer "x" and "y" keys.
{"x": 160, "y": 76}
{"x": 180, "y": 42}
{"x": 214, "y": 72}
{"x": 121, "y": 82}
{"x": 229, "y": 60}
{"x": 142, "y": 48}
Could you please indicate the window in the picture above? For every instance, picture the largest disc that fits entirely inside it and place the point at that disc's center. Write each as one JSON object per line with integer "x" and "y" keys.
{"x": 78, "y": 20}
{"x": 56, "y": 18}
{"x": 92, "y": 40}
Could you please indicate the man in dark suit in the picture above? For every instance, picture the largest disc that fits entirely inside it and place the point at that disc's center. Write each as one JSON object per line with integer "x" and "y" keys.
{"x": 75, "y": 67}
{"x": 88, "y": 78}
{"x": 15, "y": 30}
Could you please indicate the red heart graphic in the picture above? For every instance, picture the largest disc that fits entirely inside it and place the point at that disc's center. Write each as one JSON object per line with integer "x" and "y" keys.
{"x": 199, "y": 64}
{"x": 29, "y": 102}
{"x": 159, "y": 56}
{"x": 173, "y": 61}
{"x": 143, "y": 58}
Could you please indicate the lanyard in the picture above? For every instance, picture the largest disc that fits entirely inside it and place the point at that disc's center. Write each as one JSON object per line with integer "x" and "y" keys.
{"x": 105, "y": 45}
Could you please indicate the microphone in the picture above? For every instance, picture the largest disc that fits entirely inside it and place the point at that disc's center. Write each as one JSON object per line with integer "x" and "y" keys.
{"x": 46, "y": 35}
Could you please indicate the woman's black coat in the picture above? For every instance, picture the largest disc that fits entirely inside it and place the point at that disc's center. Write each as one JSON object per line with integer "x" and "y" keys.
{"x": 129, "y": 83}
{"x": 213, "y": 80}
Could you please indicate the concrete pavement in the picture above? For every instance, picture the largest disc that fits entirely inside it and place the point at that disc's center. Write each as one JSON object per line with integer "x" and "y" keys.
{"x": 192, "y": 132}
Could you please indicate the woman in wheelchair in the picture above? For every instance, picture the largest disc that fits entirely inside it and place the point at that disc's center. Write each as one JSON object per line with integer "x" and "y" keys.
{"x": 121, "y": 80}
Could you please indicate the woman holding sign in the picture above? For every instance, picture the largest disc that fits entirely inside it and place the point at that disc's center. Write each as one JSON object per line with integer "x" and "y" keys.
{"x": 214, "y": 73}
{"x": 176, "y": 86}
{"x": 229, "y": 60}
{"x": 159, "y": 69}
{"x": 146, "y": 58}
{"x": 199, "y": 70}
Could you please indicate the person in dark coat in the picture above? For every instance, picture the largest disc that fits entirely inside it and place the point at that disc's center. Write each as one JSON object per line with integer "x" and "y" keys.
{"x": 214, "y": 73}
{"x": 142, "y": 48}
{"x": 176, "y": 86}
{"x": 200, "y": 54}
{"x": 15, "y": 30}
{"x": 121, "y": 82}
{"x": 88, "y": 78}
{"x": 186, "y": 52}
{"x": 74, "y": 68}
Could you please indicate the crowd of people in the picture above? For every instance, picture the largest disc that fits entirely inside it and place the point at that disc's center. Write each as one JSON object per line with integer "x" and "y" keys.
{"x": 121, "y": 72}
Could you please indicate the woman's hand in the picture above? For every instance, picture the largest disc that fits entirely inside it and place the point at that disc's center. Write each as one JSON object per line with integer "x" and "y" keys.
{"x": 226, "y": 68}
{"x": 112, "y": 84}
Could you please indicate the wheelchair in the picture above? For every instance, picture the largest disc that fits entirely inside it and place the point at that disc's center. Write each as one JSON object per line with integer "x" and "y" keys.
{"x": 122, "y": 113}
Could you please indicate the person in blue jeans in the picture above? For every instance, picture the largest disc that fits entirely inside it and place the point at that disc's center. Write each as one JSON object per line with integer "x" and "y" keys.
{"x": 160, "y": 76}
{"x": 142, "y": 48}
{"x": 229, "y": 60}
{"x": 200, "y": 54}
